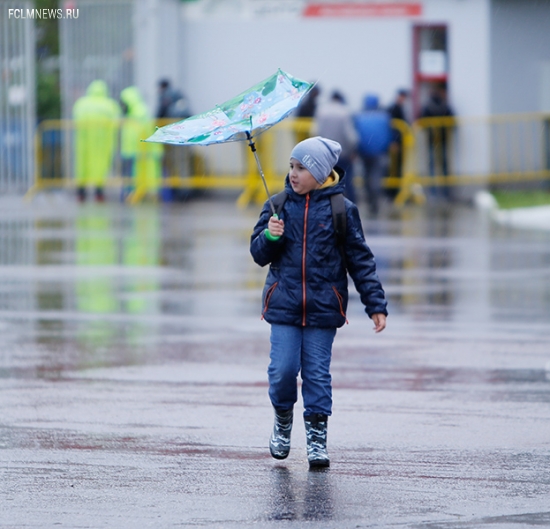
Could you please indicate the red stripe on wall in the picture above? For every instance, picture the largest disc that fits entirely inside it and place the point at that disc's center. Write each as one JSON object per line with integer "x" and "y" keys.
{"x": 410, "y": 9}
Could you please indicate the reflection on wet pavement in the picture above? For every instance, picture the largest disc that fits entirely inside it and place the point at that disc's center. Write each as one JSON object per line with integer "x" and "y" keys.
{"x": 133, "y": 364}
{"x": 310, "y": 500}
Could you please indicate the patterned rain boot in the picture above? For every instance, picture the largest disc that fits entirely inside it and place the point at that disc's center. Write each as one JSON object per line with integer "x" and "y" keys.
{"x": 279, "y": 444}
{"x": 316, "y": 437}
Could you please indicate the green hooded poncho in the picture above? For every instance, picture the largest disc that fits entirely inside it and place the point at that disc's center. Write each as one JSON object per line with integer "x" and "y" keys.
{"x": 137, "y": 126}
{"x": 96, "y": 119}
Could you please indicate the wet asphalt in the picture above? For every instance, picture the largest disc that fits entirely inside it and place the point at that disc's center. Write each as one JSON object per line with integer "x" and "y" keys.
{"x": 133, "y": 375}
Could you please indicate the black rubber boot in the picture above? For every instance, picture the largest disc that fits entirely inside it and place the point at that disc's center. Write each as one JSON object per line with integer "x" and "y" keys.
{"x": 316, "y": 438}
{"x": 99, "y": 194}
{"x": 279, "y": 444}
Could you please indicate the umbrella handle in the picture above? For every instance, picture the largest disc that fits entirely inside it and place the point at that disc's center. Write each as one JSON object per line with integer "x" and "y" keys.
{"x": 267, "y": 233}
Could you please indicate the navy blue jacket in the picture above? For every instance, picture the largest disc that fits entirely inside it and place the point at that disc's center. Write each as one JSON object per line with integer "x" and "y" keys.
{"x": 307, "y": 283}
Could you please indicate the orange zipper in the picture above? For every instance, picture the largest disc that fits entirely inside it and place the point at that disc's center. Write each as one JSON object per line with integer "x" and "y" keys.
{"x": 304, "y": 263}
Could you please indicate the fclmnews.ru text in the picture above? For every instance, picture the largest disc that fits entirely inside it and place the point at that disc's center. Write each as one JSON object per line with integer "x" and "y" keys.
{"x": 42, "y": 13}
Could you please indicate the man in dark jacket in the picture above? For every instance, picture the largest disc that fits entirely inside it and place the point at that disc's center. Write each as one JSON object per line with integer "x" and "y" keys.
{"x": 438, "y": 137}
{"x": 307, "y": 109}
{"x": 305, "y": 295}
{"x": 171, "y": 102}
{"x": 397, "y": 111}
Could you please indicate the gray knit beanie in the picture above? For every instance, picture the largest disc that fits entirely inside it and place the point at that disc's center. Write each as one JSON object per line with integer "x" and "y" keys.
{"x": 318, "y": 155}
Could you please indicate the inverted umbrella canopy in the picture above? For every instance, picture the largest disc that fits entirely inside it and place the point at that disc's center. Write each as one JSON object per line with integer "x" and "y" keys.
{"x": 242, "y": 117}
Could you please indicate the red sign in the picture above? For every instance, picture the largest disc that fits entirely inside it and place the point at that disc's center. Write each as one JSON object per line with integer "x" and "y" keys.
{"x": 386, "y": 9}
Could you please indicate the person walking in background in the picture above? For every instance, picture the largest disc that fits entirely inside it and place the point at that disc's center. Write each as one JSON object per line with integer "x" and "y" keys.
{"x": 140, "y": 160}
{"x": 306, "y": 291}
{"x": 96, "y": 120}
{"x": 375, "y": 134}
{"x": 334, "y": 120}
{"x": 171, "y": 102}
{"x": 172, "y": 105}
{"x": 307, "y": 109}
{"x": 397, "y": 111}
{"x": 308, "y": 106}
{"x": 438, "y": 137}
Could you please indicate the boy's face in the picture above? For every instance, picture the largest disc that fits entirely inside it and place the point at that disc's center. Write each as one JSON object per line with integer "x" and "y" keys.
{"x": 301, "y": 179}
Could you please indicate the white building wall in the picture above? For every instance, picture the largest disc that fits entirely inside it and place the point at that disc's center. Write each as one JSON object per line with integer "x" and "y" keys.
{"x": 224, "y": 57}
{"x": 520, "y": 56}
{"x": 469, "y": 68}
{"x": 468, "y": 33}
{"x": 226, "y": 47}
{"x": 157, "y": 30}
{"x": 226, "y": 50}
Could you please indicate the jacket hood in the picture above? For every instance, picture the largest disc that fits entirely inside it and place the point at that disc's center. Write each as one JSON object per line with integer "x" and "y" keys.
{"x": 131, "y": 96}
{"x": 370, "y": 102}
{"x": 332, "y": 180}
{"x": 98, "y": 88}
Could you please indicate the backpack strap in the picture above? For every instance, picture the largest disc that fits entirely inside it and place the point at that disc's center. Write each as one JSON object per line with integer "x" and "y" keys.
{"x": 279, "y": 201}
{"x": 339, "y": 220}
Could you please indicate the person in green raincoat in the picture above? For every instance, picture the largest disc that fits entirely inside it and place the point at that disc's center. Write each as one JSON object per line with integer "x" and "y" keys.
{"x": 141, "y": 161}
{"x": 96, "y": 119}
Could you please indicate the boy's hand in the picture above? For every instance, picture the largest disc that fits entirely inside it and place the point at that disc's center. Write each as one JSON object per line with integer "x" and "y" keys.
{"x": 276, "y": 227}
{"x": 379, "y": 322}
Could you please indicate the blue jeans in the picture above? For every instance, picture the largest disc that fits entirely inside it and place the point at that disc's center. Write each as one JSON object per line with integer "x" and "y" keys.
{"x": 301, "y": 349}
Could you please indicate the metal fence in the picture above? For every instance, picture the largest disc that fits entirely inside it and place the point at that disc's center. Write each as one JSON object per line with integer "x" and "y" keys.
{"x": 17, "y": 98}
{"x": 452, "y": 153}
{"x": 99, "y": 44}
{"x": 222, "y": 167}
{"x": 504, "y": 144}
{"x": 96, "y": 45}
{"x": 514, "y": 148}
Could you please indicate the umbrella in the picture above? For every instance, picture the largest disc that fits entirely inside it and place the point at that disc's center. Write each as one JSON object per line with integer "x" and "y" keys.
{"x": 241, "y": 118}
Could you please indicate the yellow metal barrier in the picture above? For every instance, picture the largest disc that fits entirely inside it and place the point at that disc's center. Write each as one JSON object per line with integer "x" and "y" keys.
{"x": 407, "y": 184}
{"x": 479, "y": 151}
{"x": 228, "y": 166}
{"x": 54, "y": 157}
{"x": 273, "y": 149}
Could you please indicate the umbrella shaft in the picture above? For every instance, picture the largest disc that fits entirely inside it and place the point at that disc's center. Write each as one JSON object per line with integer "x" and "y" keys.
{"x": 253, "y": 149}
{"x": 265, "y": 183}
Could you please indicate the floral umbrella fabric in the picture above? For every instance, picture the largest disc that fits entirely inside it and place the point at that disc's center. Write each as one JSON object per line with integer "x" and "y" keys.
{"x": 247, "y": 114}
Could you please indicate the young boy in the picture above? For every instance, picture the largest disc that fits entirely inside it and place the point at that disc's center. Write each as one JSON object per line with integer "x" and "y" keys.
{"x": 305, "y": 295}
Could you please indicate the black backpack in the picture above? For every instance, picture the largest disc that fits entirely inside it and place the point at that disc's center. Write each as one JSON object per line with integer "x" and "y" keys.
{"x": 338, "y": 207}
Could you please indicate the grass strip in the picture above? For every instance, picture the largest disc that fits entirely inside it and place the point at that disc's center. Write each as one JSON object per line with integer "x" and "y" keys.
{"x": 521, "y": 199}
